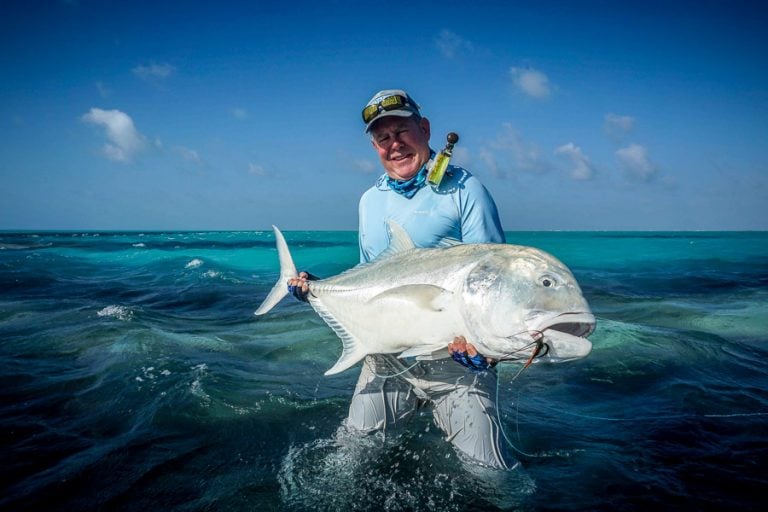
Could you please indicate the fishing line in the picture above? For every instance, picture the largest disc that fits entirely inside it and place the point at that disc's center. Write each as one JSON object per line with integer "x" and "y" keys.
{"x": 537, "y": 342}
{"x": 599, "y": 418}
{"x": 501, "y": 425}
{"x": 537, "y": 337}
{"x": 373, "y": 370}
{"x": 536, "y": 350}
{"x": 664, "y": 417}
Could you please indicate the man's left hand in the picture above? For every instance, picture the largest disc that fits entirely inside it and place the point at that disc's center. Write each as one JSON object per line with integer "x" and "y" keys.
{"x": 467, "y": 355}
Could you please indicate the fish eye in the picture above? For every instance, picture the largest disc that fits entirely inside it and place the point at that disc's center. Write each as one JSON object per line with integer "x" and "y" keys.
{"x": 547, "y": 281}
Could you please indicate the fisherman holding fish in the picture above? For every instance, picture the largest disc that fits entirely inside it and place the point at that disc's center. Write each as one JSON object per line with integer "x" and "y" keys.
{"x": 461, "y": 389}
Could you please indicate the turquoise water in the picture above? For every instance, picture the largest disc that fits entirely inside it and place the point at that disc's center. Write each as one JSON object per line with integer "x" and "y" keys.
{"x": 134, "y": 376}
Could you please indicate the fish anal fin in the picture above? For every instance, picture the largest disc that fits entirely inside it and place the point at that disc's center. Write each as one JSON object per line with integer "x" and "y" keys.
{"x": 353, "y": 350}
{"x": 346, "y": 361}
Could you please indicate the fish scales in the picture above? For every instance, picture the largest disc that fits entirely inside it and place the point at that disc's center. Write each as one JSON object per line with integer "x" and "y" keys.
{"x": 413, "y": 301}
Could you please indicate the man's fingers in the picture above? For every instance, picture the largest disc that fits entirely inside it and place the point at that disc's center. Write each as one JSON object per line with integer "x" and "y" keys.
{"x": 298, "y": 281}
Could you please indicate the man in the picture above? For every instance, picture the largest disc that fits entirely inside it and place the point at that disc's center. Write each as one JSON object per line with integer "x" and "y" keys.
{"x": 390, "y": 390}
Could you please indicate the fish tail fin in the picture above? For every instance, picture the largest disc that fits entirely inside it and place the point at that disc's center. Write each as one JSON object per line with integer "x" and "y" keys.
{"x": 287, "y": 271}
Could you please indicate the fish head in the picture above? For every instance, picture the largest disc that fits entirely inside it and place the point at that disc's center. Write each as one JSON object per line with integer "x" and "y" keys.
{"x": 517, "y": 298}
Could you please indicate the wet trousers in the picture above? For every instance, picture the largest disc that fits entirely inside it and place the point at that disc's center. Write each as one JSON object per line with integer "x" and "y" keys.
{"x": 389, "y": 391}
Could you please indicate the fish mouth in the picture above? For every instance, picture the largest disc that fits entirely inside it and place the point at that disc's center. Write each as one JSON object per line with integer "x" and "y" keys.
{"x": 565, "y": 336}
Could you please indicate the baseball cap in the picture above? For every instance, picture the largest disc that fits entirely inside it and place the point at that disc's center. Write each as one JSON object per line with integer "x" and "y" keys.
{"x": 389, "y": 102}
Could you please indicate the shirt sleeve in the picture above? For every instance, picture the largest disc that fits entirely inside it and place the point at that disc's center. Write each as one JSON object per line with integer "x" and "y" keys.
{"x": 361, "y": 230}
{"x": 367, "y": 211}
{"x": 479, "y": 217}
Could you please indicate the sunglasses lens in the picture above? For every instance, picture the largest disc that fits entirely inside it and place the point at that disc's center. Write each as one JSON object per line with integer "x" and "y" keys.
{"x": 389, "y": 103}
{"x": 392, "y": 102}
{"x": 370, "y": 112}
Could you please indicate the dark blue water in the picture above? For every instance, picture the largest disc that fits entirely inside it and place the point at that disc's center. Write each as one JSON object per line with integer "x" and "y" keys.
{"x": 134, "y": 376}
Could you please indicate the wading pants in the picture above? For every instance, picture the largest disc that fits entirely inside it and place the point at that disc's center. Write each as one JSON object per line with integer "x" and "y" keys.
{"x": 390, "y": 390}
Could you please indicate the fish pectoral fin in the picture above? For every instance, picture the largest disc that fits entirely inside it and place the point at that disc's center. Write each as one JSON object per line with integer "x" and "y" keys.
{"x": 426, "y": 352}
{"x": 424, "y": 296}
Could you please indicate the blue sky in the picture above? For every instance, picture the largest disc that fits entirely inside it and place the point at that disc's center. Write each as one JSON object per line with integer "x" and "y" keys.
{"x": 237, "y": 115}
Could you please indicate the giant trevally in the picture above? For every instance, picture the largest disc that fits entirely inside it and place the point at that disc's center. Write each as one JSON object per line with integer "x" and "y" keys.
{"x": 508, "y": 300}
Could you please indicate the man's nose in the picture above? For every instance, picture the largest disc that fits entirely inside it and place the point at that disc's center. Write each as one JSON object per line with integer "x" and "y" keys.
{"x": 396, "y": 142}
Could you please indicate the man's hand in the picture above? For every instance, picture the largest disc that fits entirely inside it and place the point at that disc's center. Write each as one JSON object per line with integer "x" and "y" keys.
{"x": 299, "y": 286}
{"x": 467, "y": 355}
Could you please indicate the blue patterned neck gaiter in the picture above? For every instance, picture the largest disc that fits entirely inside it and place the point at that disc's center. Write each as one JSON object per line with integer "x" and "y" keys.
{"x": 408, "y": 188}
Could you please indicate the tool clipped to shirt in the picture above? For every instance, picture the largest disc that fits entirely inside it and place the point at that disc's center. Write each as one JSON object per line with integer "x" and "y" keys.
{"x": 440, "y": 163}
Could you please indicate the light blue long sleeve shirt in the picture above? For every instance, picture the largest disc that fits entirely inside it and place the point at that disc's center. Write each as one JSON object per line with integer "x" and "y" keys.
{"x": 461, "y": 209}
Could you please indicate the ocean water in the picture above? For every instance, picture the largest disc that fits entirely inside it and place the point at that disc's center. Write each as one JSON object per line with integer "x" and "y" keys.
{"x": 134, "y": 376}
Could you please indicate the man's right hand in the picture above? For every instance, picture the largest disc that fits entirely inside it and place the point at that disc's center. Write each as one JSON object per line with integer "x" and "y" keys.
{"x": 465, "y": 353}
{"x": 299, "y": 286}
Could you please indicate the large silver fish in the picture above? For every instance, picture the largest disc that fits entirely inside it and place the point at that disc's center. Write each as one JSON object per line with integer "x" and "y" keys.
{"x": 505, "y": 299}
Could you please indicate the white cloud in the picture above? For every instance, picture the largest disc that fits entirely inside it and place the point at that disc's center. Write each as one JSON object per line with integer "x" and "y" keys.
{"x": 357, "y": 164}
{"x": 190, "y": 155}
{"x": 450, "y": 44}
{"x": 530, "y": 81}
{"x": 363, "y": 165}
{"x": 256, "y": 169}
{"x": 103, "y": 89}
{"x": 124, "y": 140}
{"x": 239, "y": 113}
{"x": 582, "y": 167}
{"x": 490, "y": 162}
{"x": 154, "y": 71}
{"x": 461, "y": 157}
{"x": 634, "y": 159}
{"x": 524, "y": 155}
{"x": 617, "y": 126}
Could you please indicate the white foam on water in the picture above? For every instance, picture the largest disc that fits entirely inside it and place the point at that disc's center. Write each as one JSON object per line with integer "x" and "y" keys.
{"x": 119, "y": 312}
{"x": 195, "y": 263}
{"x": 345, "y": 472}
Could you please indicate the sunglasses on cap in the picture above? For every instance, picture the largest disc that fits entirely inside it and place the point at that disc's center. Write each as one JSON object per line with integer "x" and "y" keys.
{"x": 386, "y": 104}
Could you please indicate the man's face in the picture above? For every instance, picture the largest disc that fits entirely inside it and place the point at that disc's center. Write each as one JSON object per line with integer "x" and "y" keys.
{"x": 402, "y": 144}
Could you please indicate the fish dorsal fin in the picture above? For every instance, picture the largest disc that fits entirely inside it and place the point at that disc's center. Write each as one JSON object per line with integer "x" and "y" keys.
{"x": 449, "y": 242}
{"x": 399, "y": 241}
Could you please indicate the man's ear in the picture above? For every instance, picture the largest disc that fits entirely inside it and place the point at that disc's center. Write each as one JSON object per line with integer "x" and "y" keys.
{"x": 424, "y": 125}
